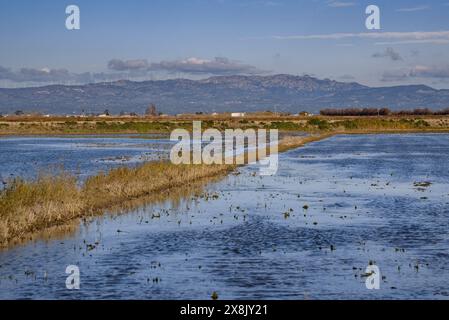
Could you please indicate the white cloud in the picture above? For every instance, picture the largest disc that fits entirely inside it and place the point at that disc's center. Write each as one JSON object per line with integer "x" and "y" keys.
{"x": 217, "y": 66}
{"x": 419, "y": 71}
{"x": 340, "y": 4}
{"x": 47, "y": 75}
{"x": 138, "y": 69}
{"x": 428, "y": 41}
{"x": 390, "y": 38}
{"x": 413, "y": 9}
{"x": 388, "y": 53}
{"x": 430, "y": 72}
{"x": 128, "y": 65}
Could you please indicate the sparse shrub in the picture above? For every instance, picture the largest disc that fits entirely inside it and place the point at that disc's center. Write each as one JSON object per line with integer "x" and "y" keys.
{"x": 356, "y": 112}
{"x": 284, "y": 125}
{"x": 349, "y": 124}
{"x": 421, "y": 123}
{"x": 321, "y": 124}
{"x": 71, "y": 123}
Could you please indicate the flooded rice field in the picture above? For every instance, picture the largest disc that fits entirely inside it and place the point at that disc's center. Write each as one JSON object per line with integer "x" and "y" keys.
{"x": 83, "y": 156}
{"x": 309, "y": 232}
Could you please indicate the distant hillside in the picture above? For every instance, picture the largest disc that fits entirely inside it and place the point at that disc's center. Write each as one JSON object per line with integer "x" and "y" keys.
{"x": 226, "y": 93}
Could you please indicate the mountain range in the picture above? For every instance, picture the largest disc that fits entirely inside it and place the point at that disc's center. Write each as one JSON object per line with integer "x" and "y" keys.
{"x": 282, "y": 93}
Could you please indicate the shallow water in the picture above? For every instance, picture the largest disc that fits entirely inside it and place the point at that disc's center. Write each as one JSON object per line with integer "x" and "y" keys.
{"x": 363, "y": 206}
{"x": 80, "y": 155}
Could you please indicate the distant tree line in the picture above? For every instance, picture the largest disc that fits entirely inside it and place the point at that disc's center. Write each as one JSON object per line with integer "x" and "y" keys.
{"x": 381, "y": 112}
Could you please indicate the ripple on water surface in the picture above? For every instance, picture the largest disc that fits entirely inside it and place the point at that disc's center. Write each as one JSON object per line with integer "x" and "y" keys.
{"x": 309, "y": 232}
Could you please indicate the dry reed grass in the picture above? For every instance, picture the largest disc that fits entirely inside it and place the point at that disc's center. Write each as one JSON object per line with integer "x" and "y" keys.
{"x": 48, "y": 201}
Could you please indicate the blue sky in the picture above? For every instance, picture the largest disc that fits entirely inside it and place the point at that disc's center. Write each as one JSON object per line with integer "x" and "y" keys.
{"x": 160, "y": 39}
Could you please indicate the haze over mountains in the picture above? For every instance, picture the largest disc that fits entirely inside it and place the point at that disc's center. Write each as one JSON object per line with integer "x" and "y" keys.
{"x": 286, "y": 93}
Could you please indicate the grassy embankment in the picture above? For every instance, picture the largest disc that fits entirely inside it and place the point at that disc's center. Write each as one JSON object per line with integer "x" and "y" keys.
{"x": 53, "y": 126}
{"x": 30, "y": 206}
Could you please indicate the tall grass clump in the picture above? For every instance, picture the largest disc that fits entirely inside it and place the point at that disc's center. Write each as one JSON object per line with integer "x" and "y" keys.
{"x": 121, "y": 183}
{"x": 27, "y": 206}
{"x": 30, "y": 206}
